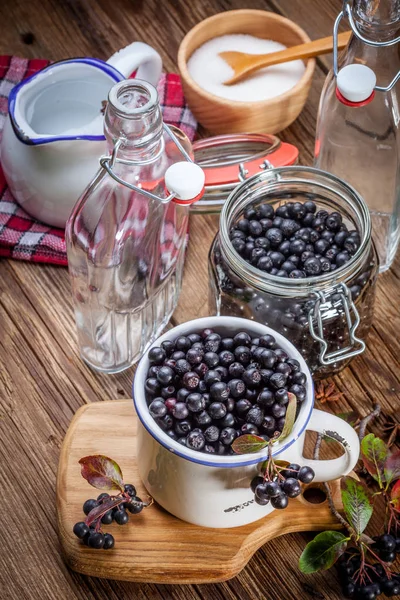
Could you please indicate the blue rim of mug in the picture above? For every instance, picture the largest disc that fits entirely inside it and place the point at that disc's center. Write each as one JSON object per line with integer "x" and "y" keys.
{"x": 111, "y": 71}
{"x": 191, "y": 455}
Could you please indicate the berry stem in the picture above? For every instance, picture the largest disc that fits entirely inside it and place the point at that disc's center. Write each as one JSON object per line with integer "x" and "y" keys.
{"x": 364, "y": 422}
{"x": 384, "y": 565}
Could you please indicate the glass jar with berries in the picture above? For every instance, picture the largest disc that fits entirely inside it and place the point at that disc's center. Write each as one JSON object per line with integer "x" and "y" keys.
{"x": 294, "y": 251}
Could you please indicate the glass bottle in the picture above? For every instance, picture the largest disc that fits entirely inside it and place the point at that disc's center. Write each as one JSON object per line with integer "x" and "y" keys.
{"x": 360, "y": 141}
{"x": 126, "y": 236}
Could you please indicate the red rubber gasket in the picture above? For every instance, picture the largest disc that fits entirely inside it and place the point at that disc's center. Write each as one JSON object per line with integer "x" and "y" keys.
{"x": 344, "y": 100}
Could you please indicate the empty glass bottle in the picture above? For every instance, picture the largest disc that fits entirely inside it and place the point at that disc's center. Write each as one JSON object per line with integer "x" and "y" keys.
{"x": 127, "y": 234}
{"x": 358, "y": 137}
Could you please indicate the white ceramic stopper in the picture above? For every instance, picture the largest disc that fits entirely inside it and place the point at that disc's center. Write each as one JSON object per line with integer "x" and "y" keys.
{"x": 185, "y": 180}
{"x": 356, "y": 82}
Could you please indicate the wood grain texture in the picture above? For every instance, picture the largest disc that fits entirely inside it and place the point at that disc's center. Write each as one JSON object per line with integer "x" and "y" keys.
{"x": 43, "y": 382}
{"x": 221, "y": 115}
{"x": 145, "y": 550}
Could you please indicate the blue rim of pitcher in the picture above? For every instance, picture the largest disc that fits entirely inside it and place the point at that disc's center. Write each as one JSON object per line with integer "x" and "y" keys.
{"x": 174, "y": 448}
{"x": 111, "y": 71}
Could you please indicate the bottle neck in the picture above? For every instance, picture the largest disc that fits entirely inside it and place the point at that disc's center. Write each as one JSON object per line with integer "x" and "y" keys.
{"x": 379, "y": 20}
{"x": 133, "y": 116}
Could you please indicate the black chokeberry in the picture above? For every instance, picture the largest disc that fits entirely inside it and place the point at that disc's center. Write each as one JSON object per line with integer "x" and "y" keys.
{"x": 157, "y": 408}
{"x": 81, "y": 529}
{"x": 135, "y": 506}
{"x": 255, "y": 415}
{"x": 157, "y": 355}
{"x": 190, "y": 380}
{"x": 306, "y": 474}
{"x": 195, "y": 402}
{"x": 217, "y": 410}
{"x": 291, "y": 487}
{"x": 96, "y": 540}
{"x": 89, "y": 505}
{"x": 107, "y": 518}
{"x": 280, "y": 502}
{"x": 109, "y": 541}
{"x": 195, "y": 440}
{"x": 121, "y": 517}
{"x": 211, "y": 434}
{"x": 273, "y": 488}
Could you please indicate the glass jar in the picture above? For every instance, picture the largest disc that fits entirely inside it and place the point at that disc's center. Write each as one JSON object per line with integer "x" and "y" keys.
{"x": 326, "y": 317}
{"x": 127, "y": 234}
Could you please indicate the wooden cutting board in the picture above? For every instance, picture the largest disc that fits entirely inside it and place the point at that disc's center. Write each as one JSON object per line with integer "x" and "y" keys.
{"x": 156, "y": 546}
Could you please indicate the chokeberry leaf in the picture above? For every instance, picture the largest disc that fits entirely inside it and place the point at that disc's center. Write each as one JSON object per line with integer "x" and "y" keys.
{"x": 350, "y": 417}
{"x": 102, "y": 472}
{"x": 356, "y": 504}
{"x": 323, "y": 551}
{"x": 391, "y": 467}
{"x": 289, "y": 418}
{"x": 374, "y": 453}
{"x": 248, "y": 444}
{"x": 100, "y": 510}
{"x": 395, "y": 495}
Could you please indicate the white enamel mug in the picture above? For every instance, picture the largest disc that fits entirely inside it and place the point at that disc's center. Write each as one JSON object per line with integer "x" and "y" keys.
{"x": 214, "y": 491}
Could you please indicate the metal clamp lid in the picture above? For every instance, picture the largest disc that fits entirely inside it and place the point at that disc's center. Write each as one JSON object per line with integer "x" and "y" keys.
{"x": 346, "y": 12}
{"x": 229, "y": 159}
{"x": 344, "y": 304}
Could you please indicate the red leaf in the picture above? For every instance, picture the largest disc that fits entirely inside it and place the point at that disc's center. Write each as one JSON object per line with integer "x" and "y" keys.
{"x": 395, "y": 495}
{"x": 392, "y": 467}
{"x": 102, "y": 472}
{"x": 104, "y": 507}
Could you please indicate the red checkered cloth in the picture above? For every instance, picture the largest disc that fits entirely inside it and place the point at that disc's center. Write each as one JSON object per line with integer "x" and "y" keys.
{"x": 21, "y": 236}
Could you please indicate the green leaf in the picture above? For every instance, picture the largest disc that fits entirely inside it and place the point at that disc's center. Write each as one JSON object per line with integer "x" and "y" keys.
{"x": 102, "y": 472}
{"x": 356, "y": 504}
{"x": 395, "y": 495}
{"x": 391, "y": 467}
{"x": 247, "y": 444}
{"x": 289, "y": 418}
{"x": 374, "y": 454}
{"x": 323, "y": 551}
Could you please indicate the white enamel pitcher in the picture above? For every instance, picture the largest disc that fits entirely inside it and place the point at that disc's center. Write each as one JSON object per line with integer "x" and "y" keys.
{"x": 53, "y": 137}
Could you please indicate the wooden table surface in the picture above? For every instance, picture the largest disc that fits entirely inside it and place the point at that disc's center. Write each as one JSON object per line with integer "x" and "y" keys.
{"x": 42, "y": 379}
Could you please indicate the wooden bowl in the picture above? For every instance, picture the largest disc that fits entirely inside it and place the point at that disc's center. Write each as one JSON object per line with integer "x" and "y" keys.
{"x": 220, "y": 115}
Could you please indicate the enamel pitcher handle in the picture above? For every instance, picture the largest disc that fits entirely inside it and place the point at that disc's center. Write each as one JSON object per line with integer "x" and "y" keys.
{"x": 328, "y": 424}
{"x": 141, "y": 57}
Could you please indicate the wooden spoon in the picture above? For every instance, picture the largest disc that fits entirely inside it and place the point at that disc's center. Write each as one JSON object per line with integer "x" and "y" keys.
{"x": 243, "y": 64}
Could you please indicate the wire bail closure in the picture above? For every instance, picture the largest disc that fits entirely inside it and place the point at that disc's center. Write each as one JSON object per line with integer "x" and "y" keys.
{"x": 108, "y": 162}
{"x": 324, "y": 304}
{"x": 346, "y": 12}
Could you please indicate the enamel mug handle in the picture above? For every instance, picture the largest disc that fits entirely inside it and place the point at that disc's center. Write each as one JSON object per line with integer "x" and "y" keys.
{"x": 141, "y": 57}
{"x": 327, "y": 470}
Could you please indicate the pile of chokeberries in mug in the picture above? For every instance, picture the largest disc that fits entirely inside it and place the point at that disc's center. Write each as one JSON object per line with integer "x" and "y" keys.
{"x": 294, "y": 240}
{"x": 204, "y": 390}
